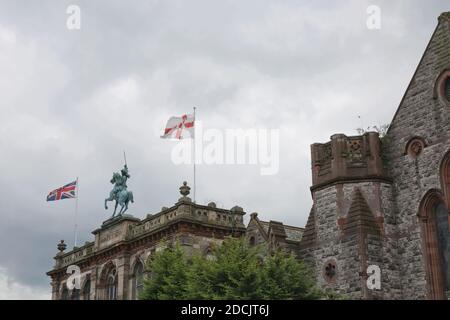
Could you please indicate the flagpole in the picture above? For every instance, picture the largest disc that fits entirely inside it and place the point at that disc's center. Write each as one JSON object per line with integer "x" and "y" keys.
{"x": 195, "y": 157}
{"x": 76, "y": 214}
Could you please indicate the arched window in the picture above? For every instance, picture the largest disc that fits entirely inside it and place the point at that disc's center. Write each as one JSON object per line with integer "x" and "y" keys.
{"x": 443, "y": 238}
{"x": 447, "y": 89}
{"x": 252, "y": 241}
{"x": 111, "y": 285}
{"x": 435, "y": 235}
{"x": 87, "y": 290}
{"x": 137, "y": 280}
{"x": 445, "y": 177}
{"x": 442, "y": 87}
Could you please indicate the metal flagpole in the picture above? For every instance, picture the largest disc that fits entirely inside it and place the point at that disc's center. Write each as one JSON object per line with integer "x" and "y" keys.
{"x": 76, "y": 214}
{"x": 195, "y": 157}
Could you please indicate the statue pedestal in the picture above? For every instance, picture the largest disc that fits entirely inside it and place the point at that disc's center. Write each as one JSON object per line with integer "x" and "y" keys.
{"x": 113, "y": 230}
{"x": 118, "y": 219}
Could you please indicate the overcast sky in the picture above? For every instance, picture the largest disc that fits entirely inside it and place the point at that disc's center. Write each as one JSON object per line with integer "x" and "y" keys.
{"x": 72, "y": 100}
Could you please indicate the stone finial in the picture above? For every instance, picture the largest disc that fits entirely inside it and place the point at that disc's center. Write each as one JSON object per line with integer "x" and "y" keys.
{"x": 185, "y": 189}
{"x": 212, "y": 205}
{"x": 61, "y": 246}
{"x": 254, "y": 215}
{"x": 236, "y": 209}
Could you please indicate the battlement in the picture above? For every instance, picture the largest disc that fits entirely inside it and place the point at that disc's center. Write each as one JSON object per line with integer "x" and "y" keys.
{"x": 346, "y": 158}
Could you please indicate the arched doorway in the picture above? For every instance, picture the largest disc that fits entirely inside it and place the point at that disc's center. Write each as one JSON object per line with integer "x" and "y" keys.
{"x": 433, "y": 216}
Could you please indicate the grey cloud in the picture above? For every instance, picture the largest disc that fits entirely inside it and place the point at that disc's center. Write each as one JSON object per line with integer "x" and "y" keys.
{"x": 72, "y": 101}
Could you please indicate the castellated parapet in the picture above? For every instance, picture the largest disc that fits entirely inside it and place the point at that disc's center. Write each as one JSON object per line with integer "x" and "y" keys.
{"x": 346, "y": 158}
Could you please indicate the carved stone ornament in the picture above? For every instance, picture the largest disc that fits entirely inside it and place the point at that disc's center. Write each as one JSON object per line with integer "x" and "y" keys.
{"x": 414, "y": 147}
{"x": 330, "y": 271}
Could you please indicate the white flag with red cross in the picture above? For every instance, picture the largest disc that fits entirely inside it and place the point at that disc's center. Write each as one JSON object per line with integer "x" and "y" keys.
{"x": 180, "y": 127}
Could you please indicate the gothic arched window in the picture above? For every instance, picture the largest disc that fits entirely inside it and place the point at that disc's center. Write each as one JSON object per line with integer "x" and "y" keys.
{"x": 447, "y": 89}
{"x": 87, "y": 290}
{"x": 443, "y": 238}
{"x": 138, "y": 280}
{"x": 435, "y": 229}
{"x": 111, "y": 285}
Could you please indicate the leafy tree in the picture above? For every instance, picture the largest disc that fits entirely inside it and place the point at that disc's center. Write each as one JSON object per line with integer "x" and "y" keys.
{"x": 287, "y": 278}
{"x": 168, "y": 280}
{"x": 235, "y": 271}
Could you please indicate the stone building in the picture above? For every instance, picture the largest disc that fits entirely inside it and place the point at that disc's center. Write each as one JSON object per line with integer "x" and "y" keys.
{"x": 273, "y": 234}
{"x": 379, "y": 205}
{"x": 112, "y": 266}
{"x": 385, "y": 202}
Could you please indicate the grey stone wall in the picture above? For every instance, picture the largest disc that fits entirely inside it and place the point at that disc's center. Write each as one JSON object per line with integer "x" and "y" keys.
{"x": 421, "y": 114}
{"x": 351, "y": 254}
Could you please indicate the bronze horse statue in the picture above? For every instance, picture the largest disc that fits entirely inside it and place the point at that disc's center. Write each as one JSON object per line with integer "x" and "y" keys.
{"x": 119, "y": 193}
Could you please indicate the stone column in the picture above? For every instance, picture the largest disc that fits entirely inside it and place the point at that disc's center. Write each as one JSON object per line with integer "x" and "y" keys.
{"x": 123, "y": 271}
{"x": 55, "y": 289}
{"x": 93, "y": 295}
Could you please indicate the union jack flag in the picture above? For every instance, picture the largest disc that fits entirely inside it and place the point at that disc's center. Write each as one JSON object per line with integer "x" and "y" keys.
{"x": 66, "y": 192}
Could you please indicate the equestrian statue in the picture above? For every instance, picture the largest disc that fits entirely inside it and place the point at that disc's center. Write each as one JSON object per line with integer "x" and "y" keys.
{"x": 120, "y": 193}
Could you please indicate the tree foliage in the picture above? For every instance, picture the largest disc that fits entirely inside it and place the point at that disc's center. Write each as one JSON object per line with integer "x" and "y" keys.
{"x": 235, "y": 271}
{"x": 168, "y": 276}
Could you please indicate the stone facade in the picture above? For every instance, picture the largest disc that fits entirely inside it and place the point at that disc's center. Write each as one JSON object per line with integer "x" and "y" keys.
{"x": 386, "y": 202}
{"x": 112, "y": 266}
{"x": 378, "y": 204}
{"x": 273, "y": 234}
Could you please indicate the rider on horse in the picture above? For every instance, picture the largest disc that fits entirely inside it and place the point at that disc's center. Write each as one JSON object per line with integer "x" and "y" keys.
{"x": 119, "y": 193}
{"x": 120, "y": 182}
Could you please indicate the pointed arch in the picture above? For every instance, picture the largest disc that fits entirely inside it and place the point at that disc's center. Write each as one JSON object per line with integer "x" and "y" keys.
{"x": 445, "y": 177}
{"x": 108, "y": 282}
{"x": 435, "y": 251}
{"x": 137, "y": 278}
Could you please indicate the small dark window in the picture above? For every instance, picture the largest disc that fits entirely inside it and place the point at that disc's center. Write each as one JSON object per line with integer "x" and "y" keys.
{"x": 447, "y": 89}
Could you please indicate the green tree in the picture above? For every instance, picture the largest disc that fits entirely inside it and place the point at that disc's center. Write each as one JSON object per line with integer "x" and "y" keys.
{"x": 285, "y": 278}
{"x": 235, "y": 270}
{"x": 168, "y": 279}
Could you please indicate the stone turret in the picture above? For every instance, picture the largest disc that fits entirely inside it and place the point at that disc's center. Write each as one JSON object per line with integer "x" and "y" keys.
{"x": 352, "y": 195}
{"x": 347, "y": 159}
